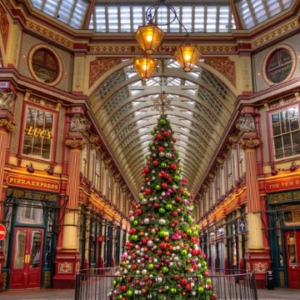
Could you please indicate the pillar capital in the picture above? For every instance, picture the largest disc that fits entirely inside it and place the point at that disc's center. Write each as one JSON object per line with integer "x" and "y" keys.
{"x": 75, "y": 143}
{"x": 7, "y": 125}
{"x": 250, "y": 143}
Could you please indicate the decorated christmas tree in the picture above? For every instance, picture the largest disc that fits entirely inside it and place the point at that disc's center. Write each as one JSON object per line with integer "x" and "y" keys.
{"x": 162, "y": 259}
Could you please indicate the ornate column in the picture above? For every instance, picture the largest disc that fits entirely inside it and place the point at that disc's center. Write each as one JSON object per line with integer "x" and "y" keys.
{"x": 68, "y": 259}
{"x": 257, "y": 258}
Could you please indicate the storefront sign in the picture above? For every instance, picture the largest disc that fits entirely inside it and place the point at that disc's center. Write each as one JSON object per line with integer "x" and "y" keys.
{"x": 39, "y": 133}
{"x": 2, "y": 232}
{"x": 27, "y": 182}
{"x": 283, "y": 185}
{"x": 100, "y": 238}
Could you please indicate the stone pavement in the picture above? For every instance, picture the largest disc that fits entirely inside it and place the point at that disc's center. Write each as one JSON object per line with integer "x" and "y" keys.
{"x": 280, "y": 294}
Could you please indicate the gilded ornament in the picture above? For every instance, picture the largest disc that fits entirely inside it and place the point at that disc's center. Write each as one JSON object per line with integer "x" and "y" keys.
{"x": 5, "y": 123}
{"x": 250, "y": 143}
{"x": 162, "y": 103}
{"x": 74, "y": 143}
{"x": 7, "y": 100}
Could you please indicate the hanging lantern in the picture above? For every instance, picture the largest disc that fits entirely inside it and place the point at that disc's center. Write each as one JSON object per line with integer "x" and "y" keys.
{"x": 187, "y": 56}
{"x": 145, "y": 66}
{"x": 149, "y": 37}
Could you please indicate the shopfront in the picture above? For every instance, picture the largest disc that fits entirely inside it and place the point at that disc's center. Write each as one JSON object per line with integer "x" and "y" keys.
{"x": 31, "y": 221}
{"x": 284, "y": 233}
{"x": 220, "y": 249}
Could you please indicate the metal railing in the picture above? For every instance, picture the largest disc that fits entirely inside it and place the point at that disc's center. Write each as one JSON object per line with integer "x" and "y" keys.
{"x": 97, "y": 284}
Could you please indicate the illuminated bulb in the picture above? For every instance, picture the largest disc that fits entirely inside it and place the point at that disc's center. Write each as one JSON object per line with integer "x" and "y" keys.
{"x": 145, "y": 67}
{"x": 187, "y": 57}
{"x": 149, "y": 38}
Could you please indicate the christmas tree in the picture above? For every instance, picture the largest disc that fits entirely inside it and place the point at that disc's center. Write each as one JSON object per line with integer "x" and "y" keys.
{"x": 162, "y": 259}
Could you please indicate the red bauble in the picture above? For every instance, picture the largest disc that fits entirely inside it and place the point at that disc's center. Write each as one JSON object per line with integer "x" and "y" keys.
{"x": 177, "y": 198}
{"x": 192, "y": 196}
{"x": 166, "y": 175}
{"x": 188, "y": 287}
{"x": 147, "y": 170}
{"x": 170, "y": 179}
{"x": 155, "y": 163}
{"x": 173, "y": 166}
{"x": 183, "y": 281}
{"x": 184, "y": 235}
{"x": 159, "y": 136}
{"x": 159, "y": 252}
{"x": 166, "y": 134}
{"x": 163, "y": 246}
{"x": 195, "y": 267}
{"x": 174, "y": 213}
{"x": 134, "y": 267}
{"x": 123, "y": 288}
{"x": 156, "y": 205}
{"x": 176, "y": 277}
{"x": 193, "y": 240}
{"x": 164, "y": 185}
{"x": 174, "y": 140}
{"x": 206, "y": 273}
{"x": 149, "y": 282}
{"x": 161, "y": 149}
{"x": 181, "y": 191}
{"x": 138, "y": 212}
{"x": 195, "y": 252}
{"x": 128, "y": 278}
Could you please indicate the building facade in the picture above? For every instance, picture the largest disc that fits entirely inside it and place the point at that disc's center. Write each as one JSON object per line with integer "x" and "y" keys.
{"x": 73, "y": 118}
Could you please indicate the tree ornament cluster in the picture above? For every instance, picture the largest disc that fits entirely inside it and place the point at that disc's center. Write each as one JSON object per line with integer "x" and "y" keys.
{"x": 162, "y": 256}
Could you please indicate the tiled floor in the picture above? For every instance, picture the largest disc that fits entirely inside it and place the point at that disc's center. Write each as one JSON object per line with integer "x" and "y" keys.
{"x": 280, "y": 294}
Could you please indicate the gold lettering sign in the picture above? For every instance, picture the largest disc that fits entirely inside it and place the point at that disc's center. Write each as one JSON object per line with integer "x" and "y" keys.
{"x": 39, "y": 133}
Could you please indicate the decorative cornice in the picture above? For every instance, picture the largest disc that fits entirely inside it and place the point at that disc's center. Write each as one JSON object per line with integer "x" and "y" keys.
{"x": 233, "y": 138}
{"x": 8, "y": 125}
{"x": 251, "y": 143}
{"x": 75, "y": 143}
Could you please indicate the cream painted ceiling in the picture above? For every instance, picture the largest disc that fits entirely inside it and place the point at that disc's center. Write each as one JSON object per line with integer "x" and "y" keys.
{"x": 201, "y": 108}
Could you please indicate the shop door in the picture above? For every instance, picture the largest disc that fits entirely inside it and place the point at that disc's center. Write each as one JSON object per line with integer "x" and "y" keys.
{"x": 292, "y": 242}
{"x": 27, "y": 256}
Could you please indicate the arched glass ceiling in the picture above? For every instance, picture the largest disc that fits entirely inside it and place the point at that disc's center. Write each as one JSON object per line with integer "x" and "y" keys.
{"x": 201, "y": 107}
{"x": 198, "y": 16}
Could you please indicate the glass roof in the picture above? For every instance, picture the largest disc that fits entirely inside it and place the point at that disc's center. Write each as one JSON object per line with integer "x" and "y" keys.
{"x": 126, "y": 18}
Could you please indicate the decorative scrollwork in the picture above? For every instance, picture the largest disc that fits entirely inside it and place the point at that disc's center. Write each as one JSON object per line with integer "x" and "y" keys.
{"x": 75, "y": 143}
{"x": 251, "y": 143}
{"x": 162, "y": 103}
{"x": 5, "y": 123}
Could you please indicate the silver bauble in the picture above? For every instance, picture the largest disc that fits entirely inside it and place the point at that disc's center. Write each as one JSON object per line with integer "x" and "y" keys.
{"x": 154, "y": 155}
{"x": 153, "y": 172}
{"x": 153, "y": 231}
{"x": 150, "y": 243}
{"x": 144, "y": 272}
{"x": 146, "y": 221}
{"x": 131, "y": 219}
{"x": 153, "y": 178}
{"x": 163, "y": 193}
{"x": 158, "y": 279}
{"x": 166, "y": 144}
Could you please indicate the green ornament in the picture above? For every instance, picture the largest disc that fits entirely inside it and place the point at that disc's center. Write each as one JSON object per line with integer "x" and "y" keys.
{"x": 157, "y": 187}
{"x": 150, "y": 144}
{"x": 163, "y": 234}
{"x": 120, "y": 297}
{"x": 200, "y": 277}
{"x": 176, "y": 178}
{"x": 153, "y": 132}
{"x": 208, "y": 281}
{"x": 185, "y": 193}
{"x": 180, "y": 169}
{"x": 163, "y": 165}
{"x": 196, "y": 227}
{"x": 141, "y": 197}
{"x": 169, "y": 206}
{"x": 115, "y": 282}
{"x": 161, "y": 211}
{"x": 135, "y": 222}
{"x": 195, "y": 233}
{"x": 176, "y": 153}
{"x": 173, "y": 291}
{"x": 134, "y": 238}
{"x": 162, "y": 121}
{"x": 183, "y": 252}
{"x": 165, "y": 270}
{"x": 201, "y": 289}
{"x": 129, "y": 293}
{"x": 189, "y": 232}
{"x": 150, "y": 267}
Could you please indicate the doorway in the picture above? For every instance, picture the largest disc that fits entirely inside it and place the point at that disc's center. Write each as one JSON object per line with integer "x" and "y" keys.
{"x": 292, "y": 242}
{"x": 27, "y": 257}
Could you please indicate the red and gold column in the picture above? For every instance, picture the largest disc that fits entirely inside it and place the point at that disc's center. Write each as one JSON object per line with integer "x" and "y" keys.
{"x": 6, "y": 127}
{"x": 68, "y": 259}
{"x": 257, "y": 259}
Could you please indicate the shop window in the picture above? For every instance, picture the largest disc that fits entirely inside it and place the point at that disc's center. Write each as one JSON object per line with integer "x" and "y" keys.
{"x": 45, "y": 66}
{"x": 286, "y": 137}
{"x": 28, "y": 213}
{"x": 292, "y": 249}
{"x": 291, "y": 215}
{"x": 84, "y": 166}
{"x": 97, "y": 174}
{"x": 38, "y": 133}
{"x": 279, "y": 66}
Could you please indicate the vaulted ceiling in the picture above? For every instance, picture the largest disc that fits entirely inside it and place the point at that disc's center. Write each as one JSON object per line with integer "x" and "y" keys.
{"x": 201, "y": 106}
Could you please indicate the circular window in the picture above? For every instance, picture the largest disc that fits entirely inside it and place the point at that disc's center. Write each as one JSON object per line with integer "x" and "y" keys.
{"x": 279, "y": 66}
{"x": 45, "y": 65}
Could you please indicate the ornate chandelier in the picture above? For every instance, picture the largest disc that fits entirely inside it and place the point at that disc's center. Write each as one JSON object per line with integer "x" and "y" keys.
{"x": 151, "y": 36}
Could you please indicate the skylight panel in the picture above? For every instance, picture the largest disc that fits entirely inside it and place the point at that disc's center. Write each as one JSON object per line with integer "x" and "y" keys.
{"x": 91, "y": 25}
{"x": 138, "y": 113}
{"x": 223, "y": 19}
{"x": 188, "y": 122}
{"x": 192, "y": 103}
{"x": 211, "y": 19}
{"x": 187, "y": 112}
{"x": 145, "y": 136}
{"x": 187, "y": 82}
{"x": 183, "y": 136}
{"x": 125, "y": 16}
{"x": 183, "y": 143}
{"x": 185, "y": 129}
{"x": 100, "y": 19}
{"x": 174, "y": 27}
{"x": 199, "y": 19}
{"x": 194, "y": 74}
{"x": 143, "y": 129}
{"x": 37, "y": 3}
{"x": 135, "y": 103}
{"x": 286, "y": 3}
{"x": 246, "y": 14}
{"x": 51, "y": 7}
{"x": 259, "y": 10}
{"x": 137, "y": 83}
{"x": 131, "y": 74}
{"x": 187, "y": 17}
{"x": 273, "y": 7}
{"x": 78, "y": 14}
{"x": 113, "y": 19}
{"x": 193, "y": 92}
{"x": 141, "y": 121}
{"x": 162, "y": 18}
{"x": 137, "y": 12}
{"x": 134, "y": 92}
